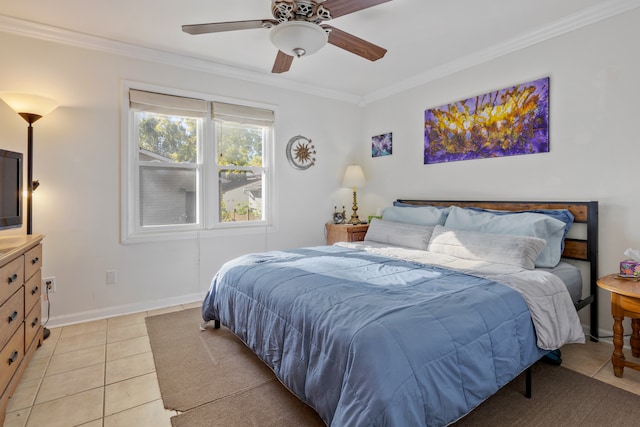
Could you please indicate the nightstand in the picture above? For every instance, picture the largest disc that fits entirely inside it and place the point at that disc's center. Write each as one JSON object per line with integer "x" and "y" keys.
{"x": 345, "y": 233}
{"x": 625, "y": 302}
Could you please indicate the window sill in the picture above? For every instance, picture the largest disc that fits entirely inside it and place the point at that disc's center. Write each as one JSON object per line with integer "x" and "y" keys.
{"x": 223, "y": 230}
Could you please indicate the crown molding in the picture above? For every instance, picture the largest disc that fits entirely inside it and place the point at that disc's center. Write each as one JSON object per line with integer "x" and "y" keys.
{"x": 600, "y": 12}
{"x": 573, "y": 22}
{"x": 59, "y": 35}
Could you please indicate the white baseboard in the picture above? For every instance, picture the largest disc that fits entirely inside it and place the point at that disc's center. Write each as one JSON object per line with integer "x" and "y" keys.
{"x": 104, "y": 313}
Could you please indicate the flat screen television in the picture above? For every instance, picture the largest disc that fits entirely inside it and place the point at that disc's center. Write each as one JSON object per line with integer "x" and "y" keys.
{"x": 10, "y": 189}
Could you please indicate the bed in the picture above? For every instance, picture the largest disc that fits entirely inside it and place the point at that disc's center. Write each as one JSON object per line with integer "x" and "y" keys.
{"x": 421, "y": 322}
{"x": 582, "y": 248}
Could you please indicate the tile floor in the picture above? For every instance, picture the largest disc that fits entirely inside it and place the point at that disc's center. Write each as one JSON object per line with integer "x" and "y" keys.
{"x": 101, "y": 374}
{"x": 93, "y": 374}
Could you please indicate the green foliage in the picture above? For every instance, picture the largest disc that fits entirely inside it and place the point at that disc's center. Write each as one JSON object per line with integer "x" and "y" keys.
{"x": 169, "y": 136}
{"x": 242, "y": 208}
{"x": 175, "y": 138}
{"x": 241, "y": 213}
{"x": 225, "y": 215}
{"x": 239, "y": 146}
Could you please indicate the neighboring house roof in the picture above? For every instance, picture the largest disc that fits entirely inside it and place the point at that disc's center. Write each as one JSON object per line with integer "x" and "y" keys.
{"x": 150, "y": 156}
{"x": 251, "y": 182}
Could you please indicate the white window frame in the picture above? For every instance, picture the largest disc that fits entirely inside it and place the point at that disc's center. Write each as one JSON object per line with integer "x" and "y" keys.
{"x": 207, "y": 171}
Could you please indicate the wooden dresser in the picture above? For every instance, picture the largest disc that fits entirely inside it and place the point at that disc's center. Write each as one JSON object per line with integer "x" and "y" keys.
{"x": 20, "y": 317}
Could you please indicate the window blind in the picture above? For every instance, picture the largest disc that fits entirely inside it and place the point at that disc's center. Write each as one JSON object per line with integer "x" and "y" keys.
{"x": 241, "y": 114}
{"x": 169, "y": 105}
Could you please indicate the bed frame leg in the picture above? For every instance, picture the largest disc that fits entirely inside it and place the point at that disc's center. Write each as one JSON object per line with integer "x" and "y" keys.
{"x": 216, "y": 325}
{"x": 527, "y": 391}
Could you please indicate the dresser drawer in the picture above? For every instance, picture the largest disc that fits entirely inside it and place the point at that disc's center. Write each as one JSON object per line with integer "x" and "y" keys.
{"x": 11, "y": 278}
{"x": 32, "y": 324}
{"x": 11, "y": 356}
{"x": 358, "y": 236}
{"x": 32, "y": 291}
{"x": 11, "y": 316}
{"x": 32, "y": 261}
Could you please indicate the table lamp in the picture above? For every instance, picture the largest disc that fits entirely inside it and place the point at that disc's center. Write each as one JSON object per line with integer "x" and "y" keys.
{"x": 354, "y": 177}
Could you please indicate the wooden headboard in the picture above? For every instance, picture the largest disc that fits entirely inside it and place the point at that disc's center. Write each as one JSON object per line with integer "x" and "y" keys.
{"x": 581, "y": 249}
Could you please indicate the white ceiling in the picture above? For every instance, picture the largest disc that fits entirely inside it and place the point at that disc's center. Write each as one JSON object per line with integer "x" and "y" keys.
{"x": 425, "y": 39}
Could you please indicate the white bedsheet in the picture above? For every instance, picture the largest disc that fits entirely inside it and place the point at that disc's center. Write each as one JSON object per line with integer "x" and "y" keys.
{"x": 554, "y": 316}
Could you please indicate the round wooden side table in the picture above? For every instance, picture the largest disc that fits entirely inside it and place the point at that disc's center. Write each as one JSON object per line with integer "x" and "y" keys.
{"x": 625, "y": 302}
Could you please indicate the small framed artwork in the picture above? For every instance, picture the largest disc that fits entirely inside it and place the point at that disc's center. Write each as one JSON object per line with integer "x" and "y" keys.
{"x": 382, "y": 145}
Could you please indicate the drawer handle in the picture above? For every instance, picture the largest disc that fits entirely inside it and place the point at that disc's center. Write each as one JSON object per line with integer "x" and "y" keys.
{"x": 35, "y": 260}
{"x": 34, "y": 290}
{"x": 35, "y": 322}
{"x": 13, "y": 357}
{"x": 13, "y": 316}
{"x": 12, "y": 278}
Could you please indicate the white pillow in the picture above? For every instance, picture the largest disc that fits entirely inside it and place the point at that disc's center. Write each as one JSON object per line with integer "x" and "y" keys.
{"x": 549, "y": 229}
{"x": 399, "y": 234}
{"x": 521, "y": 251}
{"x": 423, "y": 215}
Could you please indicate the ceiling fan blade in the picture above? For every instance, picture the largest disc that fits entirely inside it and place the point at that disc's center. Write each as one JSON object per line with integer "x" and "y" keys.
{"x": 344, "y": 7}
{"x": 354, "y": 44}
{"x": 283, "y": 63}
{"x": 218, "y": 27}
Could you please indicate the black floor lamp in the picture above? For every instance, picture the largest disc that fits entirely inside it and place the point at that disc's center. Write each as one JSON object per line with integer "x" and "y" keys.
{"x": 31, "y": 108}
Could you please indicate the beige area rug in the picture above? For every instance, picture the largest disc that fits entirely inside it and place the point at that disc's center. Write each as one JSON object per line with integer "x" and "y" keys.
{"x": 214, "y": 380}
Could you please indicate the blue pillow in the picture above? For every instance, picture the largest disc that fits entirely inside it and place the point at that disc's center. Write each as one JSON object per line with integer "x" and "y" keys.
{"x": 422, "y": 215}
{"x": 550, "y": 229}
{"x": 563, "y": 215}
{"x": 409, "y": 205}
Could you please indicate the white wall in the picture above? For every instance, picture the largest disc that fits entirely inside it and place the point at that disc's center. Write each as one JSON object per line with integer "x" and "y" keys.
{"x": 77, "y": 160}
{"x": 594, "y": 139}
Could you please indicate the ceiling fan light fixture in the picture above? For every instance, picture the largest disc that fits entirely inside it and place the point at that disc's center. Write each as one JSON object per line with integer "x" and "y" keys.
{"x": 298, "y": 38}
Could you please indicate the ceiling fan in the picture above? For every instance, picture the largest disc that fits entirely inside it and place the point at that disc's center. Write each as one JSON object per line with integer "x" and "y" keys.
{"x": 298, "y": 29}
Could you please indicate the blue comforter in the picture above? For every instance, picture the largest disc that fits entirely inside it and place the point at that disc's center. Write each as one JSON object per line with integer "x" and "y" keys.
{"x": 368, "y": 340}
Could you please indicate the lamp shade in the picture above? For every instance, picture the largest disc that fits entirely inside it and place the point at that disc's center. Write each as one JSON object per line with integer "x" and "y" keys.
{"x": 29, "y": 104}
{"x": 298, "y": 38}
{"x": 354, "y": 177}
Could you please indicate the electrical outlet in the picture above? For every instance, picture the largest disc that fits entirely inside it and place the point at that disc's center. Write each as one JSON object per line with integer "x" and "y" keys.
{"x": 112, "y": 277}
{"x": 49, "y": 284}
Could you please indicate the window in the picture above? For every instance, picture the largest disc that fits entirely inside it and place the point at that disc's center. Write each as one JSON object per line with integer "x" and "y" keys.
{"x": 241, "y": 133}
{"x": 193, "y": 164}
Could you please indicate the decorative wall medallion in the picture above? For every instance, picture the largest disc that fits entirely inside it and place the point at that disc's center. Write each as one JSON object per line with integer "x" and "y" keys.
{"x": 301, "y": 152}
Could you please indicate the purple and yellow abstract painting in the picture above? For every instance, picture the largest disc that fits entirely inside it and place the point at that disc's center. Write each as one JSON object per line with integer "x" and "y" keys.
{"x": 507, "y": 122}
